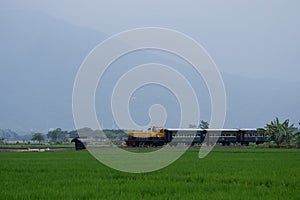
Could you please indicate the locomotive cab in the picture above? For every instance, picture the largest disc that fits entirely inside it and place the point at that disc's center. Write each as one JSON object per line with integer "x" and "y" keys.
{"x": 153, "y": 137}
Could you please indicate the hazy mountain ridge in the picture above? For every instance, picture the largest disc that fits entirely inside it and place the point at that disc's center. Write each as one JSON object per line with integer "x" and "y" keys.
{"x": 40, "y": 57}
{"x": 39, "y": 63}
{"x": 9, "y": 135}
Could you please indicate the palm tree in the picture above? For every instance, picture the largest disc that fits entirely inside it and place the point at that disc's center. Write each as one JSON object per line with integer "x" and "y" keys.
{"x": 297, "y": 137}
{"x": 280, "y": 132}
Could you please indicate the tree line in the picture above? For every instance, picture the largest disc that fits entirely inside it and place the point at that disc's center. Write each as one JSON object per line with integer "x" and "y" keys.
{"x": 279, "y": 133}
{"x": 58, "y": 135}
{"x": 55, "y": 136}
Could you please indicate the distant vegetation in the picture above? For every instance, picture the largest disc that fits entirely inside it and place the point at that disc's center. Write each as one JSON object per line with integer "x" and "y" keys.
{"x": 38, "y": 137}
{"x": 56, "y": 136}
{"x": 281, "y": 134}
{"x": 203, "y": 125}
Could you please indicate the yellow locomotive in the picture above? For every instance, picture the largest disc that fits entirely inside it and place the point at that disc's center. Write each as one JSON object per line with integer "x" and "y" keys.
{"x": 154, "y": 136}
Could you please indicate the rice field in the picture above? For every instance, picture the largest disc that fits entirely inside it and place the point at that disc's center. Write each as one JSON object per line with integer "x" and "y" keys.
{"x": 223, "y": 174}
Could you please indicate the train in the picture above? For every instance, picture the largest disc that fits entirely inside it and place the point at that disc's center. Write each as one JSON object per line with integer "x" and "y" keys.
{"x": 157, "y": 136}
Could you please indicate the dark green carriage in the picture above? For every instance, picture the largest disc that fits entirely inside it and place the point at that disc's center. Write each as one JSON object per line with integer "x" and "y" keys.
{"x": 223, "y": 136}
{"x": 252, "y": 136}
{"x": 184, "y": 136}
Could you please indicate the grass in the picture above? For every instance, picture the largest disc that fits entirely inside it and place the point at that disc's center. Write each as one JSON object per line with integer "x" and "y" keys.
{"x": 223, "y": 174}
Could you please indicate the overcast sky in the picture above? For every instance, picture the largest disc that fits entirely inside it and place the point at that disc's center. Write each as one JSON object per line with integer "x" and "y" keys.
{"x": 252, "y": 39}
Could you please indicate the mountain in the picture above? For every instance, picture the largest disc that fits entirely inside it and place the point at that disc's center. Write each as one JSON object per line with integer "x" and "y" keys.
{"x": 41, "y": 55}
{"x": 9, "y": 135}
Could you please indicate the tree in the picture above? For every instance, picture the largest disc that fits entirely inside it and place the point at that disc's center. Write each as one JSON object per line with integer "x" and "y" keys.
{"x": 192, "y": 126}
{"x": 297, "y": 138}
{"x": 57, "y": 135}
{"x": 53, "y": 134}
{"x": 280, "y": 132}
{"x": 73, "y": 134}
{"x": 203, "y": 124}
{"x": 38, "y": 137}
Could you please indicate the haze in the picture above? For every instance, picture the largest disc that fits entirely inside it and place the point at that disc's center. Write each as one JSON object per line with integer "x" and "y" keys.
{"x": 255, "y": 45}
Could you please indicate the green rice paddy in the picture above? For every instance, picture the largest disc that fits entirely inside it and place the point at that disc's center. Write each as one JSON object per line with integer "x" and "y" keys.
{"x": 223, "y": 174}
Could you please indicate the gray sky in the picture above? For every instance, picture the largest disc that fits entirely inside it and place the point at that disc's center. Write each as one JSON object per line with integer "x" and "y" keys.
{"x": 252, "y": 38}
{"x": 255, "y": 44}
